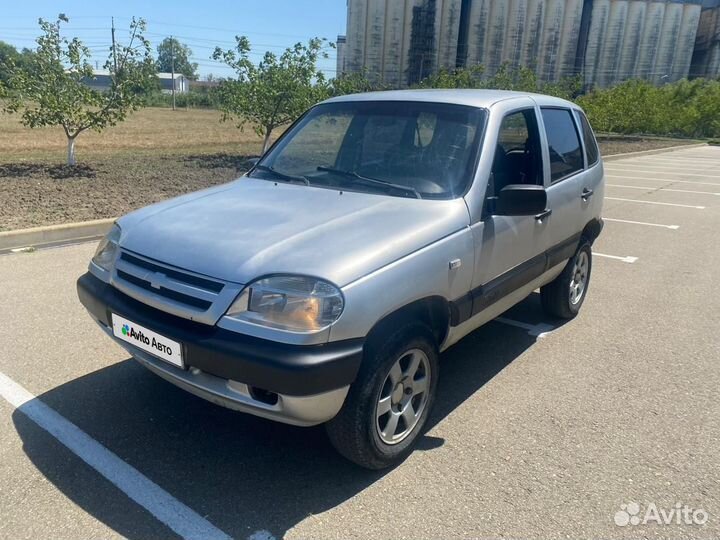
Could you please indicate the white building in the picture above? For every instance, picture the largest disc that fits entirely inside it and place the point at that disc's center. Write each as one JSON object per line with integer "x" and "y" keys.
{"x": 101, "y": 81}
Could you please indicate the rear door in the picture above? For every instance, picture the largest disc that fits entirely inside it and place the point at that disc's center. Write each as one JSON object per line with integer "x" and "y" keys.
{"x": 566, "y": 178}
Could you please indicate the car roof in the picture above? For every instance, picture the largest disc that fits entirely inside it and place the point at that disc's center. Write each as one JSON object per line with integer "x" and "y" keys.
{"x": 474, "y": 98}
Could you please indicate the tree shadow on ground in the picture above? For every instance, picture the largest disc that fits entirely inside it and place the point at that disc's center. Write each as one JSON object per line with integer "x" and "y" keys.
{"x": 244, "y": 473}
{"x": 220, "y": 160}
{"x": 41, "y": 170}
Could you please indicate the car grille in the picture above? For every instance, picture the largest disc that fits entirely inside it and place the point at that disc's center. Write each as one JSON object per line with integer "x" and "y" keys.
{"x": 173, "y": 290}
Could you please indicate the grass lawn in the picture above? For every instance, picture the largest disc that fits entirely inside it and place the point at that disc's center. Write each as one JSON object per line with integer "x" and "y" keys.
{"x": 157, "y": 153}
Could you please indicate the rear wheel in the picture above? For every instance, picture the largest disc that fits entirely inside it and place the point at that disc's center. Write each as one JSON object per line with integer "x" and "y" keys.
{"x": 564, "y": 296}
{"x": 389, "y": 403}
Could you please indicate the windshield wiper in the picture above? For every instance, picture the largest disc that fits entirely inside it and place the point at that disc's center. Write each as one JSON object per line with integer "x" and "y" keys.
{"x": 372, "y": 181}
{"x": 283, "y": 176}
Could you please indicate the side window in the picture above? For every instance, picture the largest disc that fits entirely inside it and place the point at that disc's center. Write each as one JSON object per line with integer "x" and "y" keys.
{"x": 513, "y": 132}
{"x": 564, "y": 143}
{"x": 518, "y": 159}
{"x": 591, "y": 147}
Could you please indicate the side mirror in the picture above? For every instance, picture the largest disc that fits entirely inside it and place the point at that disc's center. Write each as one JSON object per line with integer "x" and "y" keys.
{"x": 521, "y": 200}
{"x": 252, "y": 161}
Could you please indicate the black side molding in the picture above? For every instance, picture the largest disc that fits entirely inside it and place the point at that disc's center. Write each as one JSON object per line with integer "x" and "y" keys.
{"x": 487, "y": 294}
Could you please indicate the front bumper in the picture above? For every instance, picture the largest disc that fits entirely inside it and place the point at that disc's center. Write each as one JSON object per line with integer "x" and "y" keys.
{"x": 230, "y": 369}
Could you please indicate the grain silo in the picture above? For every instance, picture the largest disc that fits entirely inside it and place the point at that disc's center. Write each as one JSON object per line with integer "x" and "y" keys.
{"x": 355, "y": 35}
{"x": 638, "y": 39}
{"x": 392, "y": 67}
{"x": 400, "y": 42}
{"x": 686, "y": 42}
{"x": 340, "y": 67}
{"x": 447, "y": 28}
{"x": 539, "y": 34}
{"x": 706, "y": 56}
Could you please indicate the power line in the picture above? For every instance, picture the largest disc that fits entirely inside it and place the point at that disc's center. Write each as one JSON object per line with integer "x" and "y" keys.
{"x": 216, "y": 29}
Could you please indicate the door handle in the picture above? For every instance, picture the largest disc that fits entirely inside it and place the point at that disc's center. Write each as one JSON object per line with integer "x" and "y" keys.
{"x": 586, "y": 194}
{"x": 542, "y": 215}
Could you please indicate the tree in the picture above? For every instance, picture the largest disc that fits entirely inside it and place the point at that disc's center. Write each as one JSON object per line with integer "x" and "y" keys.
{"x": 172, "y": 53}
{"x": 274, "y": 92}
{"x": 353, "y": 83}
{"x": 10, "y": 56}
{"x": 52, "y": 91}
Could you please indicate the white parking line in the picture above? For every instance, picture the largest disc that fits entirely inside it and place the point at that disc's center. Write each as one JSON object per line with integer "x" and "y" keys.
{"x": 654, "y": 168}
{"x": 656, "y": 202}
{"x": 627, "y": 259}
{"x": 656, "y": 188}
{"x": 672, "y": 180}
{"x": 537, "y": 330}
{"x": 675, "y": 156}
{"x": 680, "y": 159}
{"x": 673, "y": 227}
{"x": 671, "y": 172}
{"x": 167, "y": 509}
{"x": 690, "y": 162}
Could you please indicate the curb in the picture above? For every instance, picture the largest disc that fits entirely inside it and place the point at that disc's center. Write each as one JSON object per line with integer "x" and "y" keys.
{"x": 54, "y": 234}
{"x": 627, "y": 155}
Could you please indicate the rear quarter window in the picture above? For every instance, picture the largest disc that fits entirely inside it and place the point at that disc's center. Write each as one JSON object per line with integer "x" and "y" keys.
{"x": 591, "y": 147}
{"x": 566, "y": 155}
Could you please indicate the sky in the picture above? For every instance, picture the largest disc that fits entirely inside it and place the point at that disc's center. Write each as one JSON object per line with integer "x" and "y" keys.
{"x": 269, "y": 24}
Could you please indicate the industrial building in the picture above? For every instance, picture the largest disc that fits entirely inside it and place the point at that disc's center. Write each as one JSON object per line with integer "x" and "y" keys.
{"x": 639, "y": 39}
{"x": 400, "y": 42}
{"x": 706, "y": 57}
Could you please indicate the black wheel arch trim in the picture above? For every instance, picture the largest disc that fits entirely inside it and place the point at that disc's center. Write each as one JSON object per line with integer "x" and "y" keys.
{"x": 593, "y": 229}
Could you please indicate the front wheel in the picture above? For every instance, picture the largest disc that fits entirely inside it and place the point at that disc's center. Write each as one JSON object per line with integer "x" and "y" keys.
{"x": 389, "y": 403}
{"x": 564, "y": 296}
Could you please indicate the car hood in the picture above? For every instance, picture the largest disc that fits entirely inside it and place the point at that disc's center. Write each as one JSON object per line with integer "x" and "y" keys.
{"x": 250, "y": 228}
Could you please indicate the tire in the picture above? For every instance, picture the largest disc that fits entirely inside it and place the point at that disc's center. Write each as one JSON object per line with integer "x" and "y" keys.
{"x": 358, "y": 432}
{"x": 561, "y": 297}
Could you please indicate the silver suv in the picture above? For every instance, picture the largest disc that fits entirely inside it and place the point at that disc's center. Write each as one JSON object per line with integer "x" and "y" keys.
{"x": 379, "y": 230}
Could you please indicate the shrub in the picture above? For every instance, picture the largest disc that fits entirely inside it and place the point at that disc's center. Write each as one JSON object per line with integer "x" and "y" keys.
{"x": 684, "y": 108}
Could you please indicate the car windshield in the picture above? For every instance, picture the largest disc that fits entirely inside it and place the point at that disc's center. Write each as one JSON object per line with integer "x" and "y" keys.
{"x": 405, "y": 149}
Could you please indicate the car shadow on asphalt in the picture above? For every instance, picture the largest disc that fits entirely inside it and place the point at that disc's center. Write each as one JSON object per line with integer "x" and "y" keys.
{"x": 244, "y": 473}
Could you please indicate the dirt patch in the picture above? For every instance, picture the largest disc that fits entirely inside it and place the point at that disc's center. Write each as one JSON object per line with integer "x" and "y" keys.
{"x": 35, "y": 194}
{"x": 610, "y": 144}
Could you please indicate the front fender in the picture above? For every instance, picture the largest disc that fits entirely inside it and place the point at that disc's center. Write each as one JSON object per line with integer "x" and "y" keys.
{"x": 423, "y": 273}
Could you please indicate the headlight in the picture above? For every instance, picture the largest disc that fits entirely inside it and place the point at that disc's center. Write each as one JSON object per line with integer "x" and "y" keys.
{"x": 105, "y": 252}
{"x": 295, "y": 303}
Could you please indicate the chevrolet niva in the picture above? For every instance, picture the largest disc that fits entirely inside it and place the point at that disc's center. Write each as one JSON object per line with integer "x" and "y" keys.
{"x": 376, "y": 232}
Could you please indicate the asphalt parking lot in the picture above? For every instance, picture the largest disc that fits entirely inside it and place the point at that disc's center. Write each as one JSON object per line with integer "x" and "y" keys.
{"x": 540, "y": 430}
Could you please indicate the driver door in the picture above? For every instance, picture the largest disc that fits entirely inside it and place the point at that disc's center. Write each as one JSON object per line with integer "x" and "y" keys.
{"x": 511, "y": 250}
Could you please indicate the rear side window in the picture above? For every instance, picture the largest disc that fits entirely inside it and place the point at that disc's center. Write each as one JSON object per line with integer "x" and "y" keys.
{"x": 591, "y": 147}
{"x": 564, "y": 143}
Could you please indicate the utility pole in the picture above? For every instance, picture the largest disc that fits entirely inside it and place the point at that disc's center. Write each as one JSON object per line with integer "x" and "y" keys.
{"x": 112, "y": 32}
{"x": 172, "y": 68}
